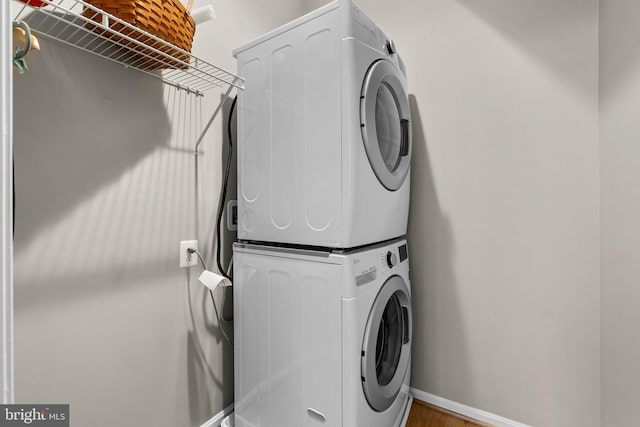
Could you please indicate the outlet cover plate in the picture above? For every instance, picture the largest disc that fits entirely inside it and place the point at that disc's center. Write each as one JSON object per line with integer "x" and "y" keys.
{"x": 186, "y": 259}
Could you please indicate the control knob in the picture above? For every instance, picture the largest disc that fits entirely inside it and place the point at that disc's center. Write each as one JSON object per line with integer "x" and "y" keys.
{"x": 392, "y": 259}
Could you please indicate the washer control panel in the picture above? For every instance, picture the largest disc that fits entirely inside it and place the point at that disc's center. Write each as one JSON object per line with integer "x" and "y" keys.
{"x": 378, "y": 264}
{"x": 391, "y": 257}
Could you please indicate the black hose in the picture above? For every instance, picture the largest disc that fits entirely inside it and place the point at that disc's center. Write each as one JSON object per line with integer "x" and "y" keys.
{"x": 223, "y": 194}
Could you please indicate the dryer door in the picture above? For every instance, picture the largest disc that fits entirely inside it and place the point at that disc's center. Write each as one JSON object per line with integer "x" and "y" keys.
{"x": 386, "y": 346}
{"x": 385, "y": 124}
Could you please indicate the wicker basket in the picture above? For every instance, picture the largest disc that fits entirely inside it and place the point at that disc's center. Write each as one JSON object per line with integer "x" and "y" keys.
{"x": 165, "y": 19}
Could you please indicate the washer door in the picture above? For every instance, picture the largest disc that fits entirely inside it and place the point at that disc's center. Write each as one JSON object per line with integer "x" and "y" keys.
{"x": 384, "y": 120}
{"x": 387, "y": 344}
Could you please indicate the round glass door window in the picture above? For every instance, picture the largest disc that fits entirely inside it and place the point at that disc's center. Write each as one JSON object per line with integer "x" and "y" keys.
{"x": 388, "y": 127}
{"x": 384, "y": 120}
{"x": 389, "y": 341}
{"x": 387, "y": 345}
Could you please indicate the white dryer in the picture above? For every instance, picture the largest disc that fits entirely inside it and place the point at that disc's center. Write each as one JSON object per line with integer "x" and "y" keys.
{"x": 324, "y": 133}
{"x": 322, "y": 338}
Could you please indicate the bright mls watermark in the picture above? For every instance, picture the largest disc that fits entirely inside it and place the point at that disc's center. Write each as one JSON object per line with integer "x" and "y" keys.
{"x": 34, "y": 415}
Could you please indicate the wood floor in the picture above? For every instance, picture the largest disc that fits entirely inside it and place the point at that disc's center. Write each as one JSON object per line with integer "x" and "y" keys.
{"x": 425, "y": 415}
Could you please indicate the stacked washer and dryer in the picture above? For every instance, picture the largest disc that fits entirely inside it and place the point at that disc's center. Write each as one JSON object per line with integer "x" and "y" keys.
{"x": 322, "y": 298}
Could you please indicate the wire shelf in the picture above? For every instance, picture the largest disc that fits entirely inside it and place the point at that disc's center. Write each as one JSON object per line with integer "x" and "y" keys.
{"x": 81, "y": 25}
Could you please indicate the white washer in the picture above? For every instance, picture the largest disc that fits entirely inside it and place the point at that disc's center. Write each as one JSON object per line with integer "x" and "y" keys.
{"x": 324, "y": 133}
{"x": 322, "y": 338}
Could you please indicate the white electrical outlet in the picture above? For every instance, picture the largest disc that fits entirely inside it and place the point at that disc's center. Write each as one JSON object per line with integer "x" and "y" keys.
{"x": 187, "y": 259}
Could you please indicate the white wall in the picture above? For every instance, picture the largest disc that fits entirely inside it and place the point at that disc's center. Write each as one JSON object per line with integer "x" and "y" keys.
{"x": 620, "y": 208}
{"x": 105, "y": 191}
{"x": 503, "y": 227}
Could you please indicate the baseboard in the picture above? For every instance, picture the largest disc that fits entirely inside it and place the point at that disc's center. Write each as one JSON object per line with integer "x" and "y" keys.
{"x": 217, "y": 418}
{"x": 467, "y": 411}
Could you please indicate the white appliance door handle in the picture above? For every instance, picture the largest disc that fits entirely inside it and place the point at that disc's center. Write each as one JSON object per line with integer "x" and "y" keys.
{"x": 316, "y": 415}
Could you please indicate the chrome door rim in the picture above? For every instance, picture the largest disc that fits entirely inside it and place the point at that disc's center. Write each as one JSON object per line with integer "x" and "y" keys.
{"x": 381, "y": 397}
{"x": 380, "y": 73}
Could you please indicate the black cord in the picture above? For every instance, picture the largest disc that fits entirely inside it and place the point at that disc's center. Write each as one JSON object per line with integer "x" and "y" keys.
{"x": 223, "y": 194}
